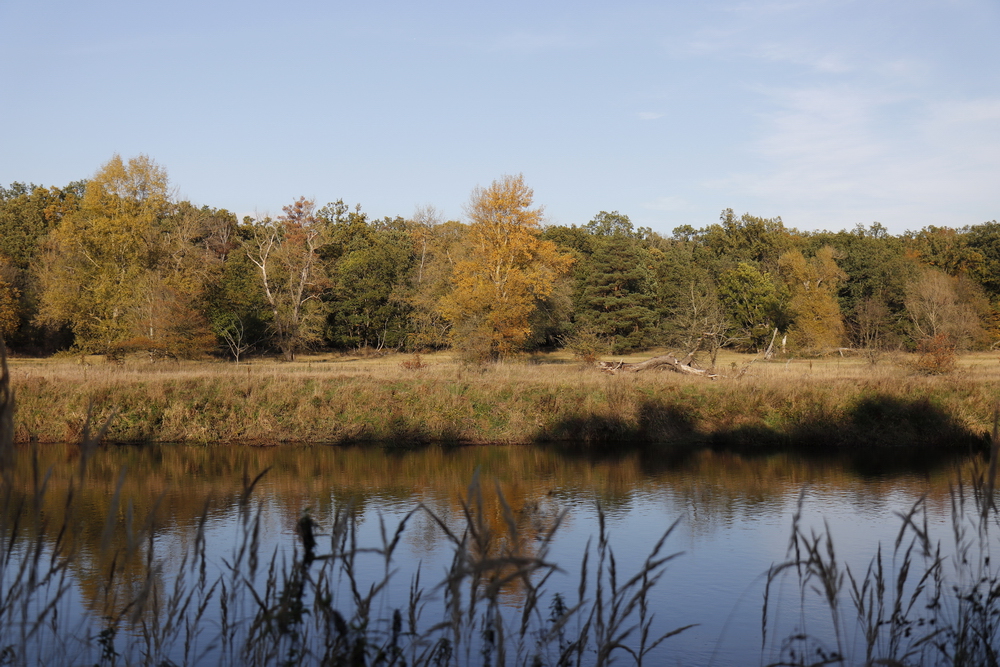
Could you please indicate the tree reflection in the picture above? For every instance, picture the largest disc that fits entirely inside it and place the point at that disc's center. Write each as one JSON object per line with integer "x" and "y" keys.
{"x": 136, "y": 505}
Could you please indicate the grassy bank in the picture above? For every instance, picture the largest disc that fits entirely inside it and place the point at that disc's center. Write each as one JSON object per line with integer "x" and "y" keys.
{"x": 120, "y": 591}
{"x": 549, "y": 399}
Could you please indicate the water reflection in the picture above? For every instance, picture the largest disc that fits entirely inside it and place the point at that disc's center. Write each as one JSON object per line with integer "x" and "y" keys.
{"x": 134, "y": 505}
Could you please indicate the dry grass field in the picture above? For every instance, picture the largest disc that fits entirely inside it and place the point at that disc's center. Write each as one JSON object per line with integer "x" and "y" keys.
{"x": 405, "y": 399}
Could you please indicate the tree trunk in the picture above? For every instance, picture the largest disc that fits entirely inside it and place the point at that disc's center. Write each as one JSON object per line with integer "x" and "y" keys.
{"x": 663, "y": 362}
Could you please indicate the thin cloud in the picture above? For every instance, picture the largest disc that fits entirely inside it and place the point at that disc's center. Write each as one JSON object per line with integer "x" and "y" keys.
{"x": 529, "y": 42}
{"x": 711, "y": 41}
{"x": 966, "y": 112}
{"x": 775, "y": 7}
{"x": 670, "y": 204}
{"x": 821, "y": 143}
{"x": 902, "y": 71}
{"x": 848, "y": 149}
{"x": 649, "y": 115}
{"x": 810, "y": 56}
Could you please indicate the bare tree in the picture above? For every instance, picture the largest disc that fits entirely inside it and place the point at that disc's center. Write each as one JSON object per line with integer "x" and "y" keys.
{"x": 425, "y": 219}
{"x": 872, "y": 328}
{"x": 937, "y": 307}
{"x": 700, "y": 321}
{"x": 286, "y": 253}
{"x": 236, "y": 338}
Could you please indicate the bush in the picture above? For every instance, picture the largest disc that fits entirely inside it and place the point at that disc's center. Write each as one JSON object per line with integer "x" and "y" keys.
{"x": 586, "y": 345}
{"x": 936, "y": 355}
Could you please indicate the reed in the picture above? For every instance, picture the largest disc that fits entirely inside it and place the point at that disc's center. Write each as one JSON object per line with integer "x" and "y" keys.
{"x": 309, "y": 604}
{"x": 928, "y": 601}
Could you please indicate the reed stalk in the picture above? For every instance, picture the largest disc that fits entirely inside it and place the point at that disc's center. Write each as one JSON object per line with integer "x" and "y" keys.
{"x": 307, "y": 604}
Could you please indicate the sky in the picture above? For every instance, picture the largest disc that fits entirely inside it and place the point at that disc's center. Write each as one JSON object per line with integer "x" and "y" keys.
{"x": 827, "y": 113}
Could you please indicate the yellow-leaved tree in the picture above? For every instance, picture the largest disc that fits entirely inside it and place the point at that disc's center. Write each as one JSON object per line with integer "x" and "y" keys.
{"x": 114, "y": 270}
{"x": 504, "y": 274}
{"x": 816, "y": 319}
{"x": 98, "y": 257}
{"x": 10, "y": 296}
{"x": 10, "y": 318}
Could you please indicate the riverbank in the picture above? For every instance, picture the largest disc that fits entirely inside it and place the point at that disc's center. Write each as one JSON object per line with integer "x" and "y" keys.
{"x": 548, "y": 399}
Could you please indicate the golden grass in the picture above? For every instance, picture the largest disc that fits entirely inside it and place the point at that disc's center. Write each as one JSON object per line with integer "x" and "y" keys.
{"x": 550, "y": 397}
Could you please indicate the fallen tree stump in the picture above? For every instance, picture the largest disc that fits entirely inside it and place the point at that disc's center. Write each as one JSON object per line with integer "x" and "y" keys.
{"x": 663, "y": 362}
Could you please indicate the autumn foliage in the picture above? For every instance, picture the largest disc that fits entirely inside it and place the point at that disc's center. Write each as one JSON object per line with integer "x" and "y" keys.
{"x": 817, "y": 323}
{"x": 508, "y": 269}
{"x": 116, "y": 265}
{"x": 9, "y": 317}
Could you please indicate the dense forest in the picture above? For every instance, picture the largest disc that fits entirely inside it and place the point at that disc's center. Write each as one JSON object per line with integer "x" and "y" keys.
{"x": 115, "y": 265}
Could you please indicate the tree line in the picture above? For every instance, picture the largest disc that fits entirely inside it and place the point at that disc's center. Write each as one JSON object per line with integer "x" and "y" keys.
{"x": 116, "y": 265}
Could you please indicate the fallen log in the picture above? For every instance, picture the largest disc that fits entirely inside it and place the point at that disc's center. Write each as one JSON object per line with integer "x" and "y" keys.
{"x": 663, "y": 362}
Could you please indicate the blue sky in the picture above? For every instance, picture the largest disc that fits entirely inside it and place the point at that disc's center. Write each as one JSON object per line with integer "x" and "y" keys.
{"x": 826, "y": 113}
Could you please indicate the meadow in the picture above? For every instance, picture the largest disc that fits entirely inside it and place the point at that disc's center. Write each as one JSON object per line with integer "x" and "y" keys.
{"x": 407, "y": 400}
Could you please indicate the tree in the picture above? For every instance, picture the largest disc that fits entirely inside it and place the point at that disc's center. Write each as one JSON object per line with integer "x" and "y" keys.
{"x": 946, "y": 249}
{"x": 750, "y": 239}
{"x": 691, "y": 314}
{"x": 171, "y": 324}
{"x": 507, "y": 271}
{"x": 10, "y": 317}
{"x": 615, "y": 298}
{"x": 194, "y": 244}
{"x": 27, "y": 214}
{"x": 367, "y": 302}
{"x": 130, "y": 268}
{"x": 97, "y": 258}
{"x": 437, "y": 245}
{"x": 424, "y": 221}
{"x": 984, "y": 240}
{"x": 286, "y": 254}
{"x": 945, "y": 308}
{"x": 238, "y": 310}
{"x": 700, "y": 320}
{"x": 878, "y": 268}
{"x": 615, "y": 224}
{"x": 816, "y": 320}
{"x": 752, "y": 304}
{"x": 872, "y": 330}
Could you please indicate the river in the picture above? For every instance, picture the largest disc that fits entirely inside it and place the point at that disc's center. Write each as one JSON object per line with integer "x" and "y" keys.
{"x": 730, "y": 518}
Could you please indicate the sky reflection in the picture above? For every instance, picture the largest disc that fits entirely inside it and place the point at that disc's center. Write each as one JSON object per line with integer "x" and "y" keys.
{"x": 733, "y": 521}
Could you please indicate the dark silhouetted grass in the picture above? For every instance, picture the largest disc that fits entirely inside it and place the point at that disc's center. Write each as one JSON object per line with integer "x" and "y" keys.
{"x": 927, "y": 601}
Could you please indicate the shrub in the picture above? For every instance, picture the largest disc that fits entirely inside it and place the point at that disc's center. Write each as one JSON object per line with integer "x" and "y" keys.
{"x": 936, "y": 355}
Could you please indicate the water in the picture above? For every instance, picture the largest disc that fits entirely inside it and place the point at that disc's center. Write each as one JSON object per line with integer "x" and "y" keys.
{"x": 733, "y": 518}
